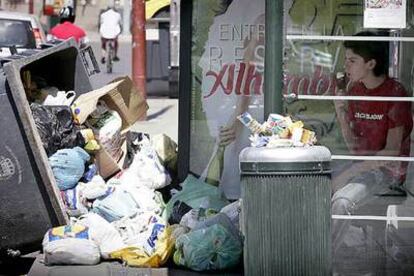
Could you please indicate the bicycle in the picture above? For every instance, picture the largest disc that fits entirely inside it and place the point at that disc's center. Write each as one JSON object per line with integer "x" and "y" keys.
{"x": 110, "y": 54}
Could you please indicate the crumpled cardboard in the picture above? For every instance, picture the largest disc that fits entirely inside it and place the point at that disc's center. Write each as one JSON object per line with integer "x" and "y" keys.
{"x": 121, "y": 96}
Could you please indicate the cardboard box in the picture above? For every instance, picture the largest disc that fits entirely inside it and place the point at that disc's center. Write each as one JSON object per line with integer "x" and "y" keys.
{"x": 136, "y": 104}
{"x": 122, "y": 97}
{"x": 107, "y": 165}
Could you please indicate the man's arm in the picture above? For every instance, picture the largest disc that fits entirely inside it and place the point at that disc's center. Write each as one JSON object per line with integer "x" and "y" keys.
{"x": 342, "y": 116}
{"x": 120, "y": 23}
{"x": 392, "y": 147}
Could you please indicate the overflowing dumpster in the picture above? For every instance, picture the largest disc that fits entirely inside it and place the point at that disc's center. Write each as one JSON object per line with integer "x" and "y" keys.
{"x": 29, "y": 201}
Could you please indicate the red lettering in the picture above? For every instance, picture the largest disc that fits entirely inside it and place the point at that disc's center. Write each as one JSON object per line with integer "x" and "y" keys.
{"x": 240, "y": 78}
{"x": 252, "y": 76}
{"x": 287, "y": 81}
{"x": 217, "y": 82}
{"x": 230, "y": 80}
{"x": 318, "y": 84}
{"x": 304, "y": 80}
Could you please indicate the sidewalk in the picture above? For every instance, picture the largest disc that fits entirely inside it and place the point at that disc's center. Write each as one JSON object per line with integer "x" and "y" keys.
{"x": 94, "y": 36}
{"x": 162, "y": 117}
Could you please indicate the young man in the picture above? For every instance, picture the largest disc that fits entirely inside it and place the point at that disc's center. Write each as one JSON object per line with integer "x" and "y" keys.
{"x": 67, "y": 29}
{"x": 370, "y": 128}
{"x": 110, "y": 26}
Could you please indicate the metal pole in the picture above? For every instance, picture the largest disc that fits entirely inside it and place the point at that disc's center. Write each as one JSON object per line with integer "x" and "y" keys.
{"x": 138, "y": 46}
{"x": 127, "y": 17}
{"x": 31, "y": 8}
{"x": 273, "y": 74}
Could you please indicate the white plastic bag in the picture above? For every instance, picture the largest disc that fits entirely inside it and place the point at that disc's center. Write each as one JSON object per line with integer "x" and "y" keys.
{"x": 70, "y": 244}
{"x": 95, "y": 188}
{"x": 233, "y": 212}
{"x": 141, "y": 231}
{"x": 103, "y": 233}
{"x": 61, "y": 98}
{"x": 147, "y": 199}
{"x": 146, "y": 169}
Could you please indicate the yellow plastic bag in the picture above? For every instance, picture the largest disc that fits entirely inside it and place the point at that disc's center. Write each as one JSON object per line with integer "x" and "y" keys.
{"x": 136, "y": 256}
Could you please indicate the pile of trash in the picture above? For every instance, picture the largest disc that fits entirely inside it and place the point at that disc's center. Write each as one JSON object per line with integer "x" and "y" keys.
{"x": 114, "y": 185}
{"x": 278, "y": 131}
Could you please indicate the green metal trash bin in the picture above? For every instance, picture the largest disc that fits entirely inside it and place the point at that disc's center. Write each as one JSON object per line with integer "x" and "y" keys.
{"x": 286, "y": 216}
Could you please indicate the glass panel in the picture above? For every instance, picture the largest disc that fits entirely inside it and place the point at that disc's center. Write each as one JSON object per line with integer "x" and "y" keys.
{"x": 16, "y": 33}
{"x": 363, "y": 114}
{"x": 227, "y": 69}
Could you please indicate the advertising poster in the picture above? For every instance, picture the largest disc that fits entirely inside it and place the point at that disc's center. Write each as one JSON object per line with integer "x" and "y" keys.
{"x": 385, "y": 14}
{"x": 227, "y": 80}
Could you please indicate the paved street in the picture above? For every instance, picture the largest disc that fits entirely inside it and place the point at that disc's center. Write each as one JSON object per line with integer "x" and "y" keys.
{"x": 120, "y": 68}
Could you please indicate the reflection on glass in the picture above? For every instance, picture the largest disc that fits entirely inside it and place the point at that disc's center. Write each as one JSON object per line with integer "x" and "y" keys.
{"x": 369, "y": 135}
{"x": 227, "y": 69}
{"x": 379, "y": 128}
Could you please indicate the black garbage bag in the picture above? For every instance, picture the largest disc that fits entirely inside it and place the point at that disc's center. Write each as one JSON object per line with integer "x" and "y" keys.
{"x": 179, "y": 210}
{"x": 56, "y": 128}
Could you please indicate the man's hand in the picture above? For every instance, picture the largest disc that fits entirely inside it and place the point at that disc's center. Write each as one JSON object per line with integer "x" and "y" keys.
{"x": 341, "y": 86}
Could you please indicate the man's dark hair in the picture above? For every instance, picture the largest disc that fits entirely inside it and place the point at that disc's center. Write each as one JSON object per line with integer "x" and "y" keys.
{"x": 377, "y": 50}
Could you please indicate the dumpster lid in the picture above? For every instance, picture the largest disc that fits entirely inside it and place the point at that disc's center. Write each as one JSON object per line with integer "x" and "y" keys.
{"x": 293, "y": 159}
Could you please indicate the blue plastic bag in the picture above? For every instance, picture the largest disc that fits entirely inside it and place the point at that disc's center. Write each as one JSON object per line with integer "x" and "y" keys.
{"x": 213, "y": 245}
{"x": 68, "y": 166}
{"x": 115, "y": 206}
{"x": 197, "y": 193}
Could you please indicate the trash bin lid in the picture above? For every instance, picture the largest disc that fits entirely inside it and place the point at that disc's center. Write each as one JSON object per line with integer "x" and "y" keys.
{"x": 285, "y": 160}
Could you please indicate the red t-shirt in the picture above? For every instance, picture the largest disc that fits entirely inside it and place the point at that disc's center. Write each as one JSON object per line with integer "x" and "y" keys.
{"x": 67, "y": 30}
{"x": 371, "y": 120}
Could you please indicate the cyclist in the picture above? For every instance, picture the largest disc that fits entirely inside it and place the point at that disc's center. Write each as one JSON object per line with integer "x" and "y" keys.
{"x": 110, "y": 26}
{"x": 67, "y": 29}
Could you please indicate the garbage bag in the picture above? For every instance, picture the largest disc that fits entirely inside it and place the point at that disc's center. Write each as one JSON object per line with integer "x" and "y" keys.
{"x": 56, "y": 128}
{"x": 148, "y": 200}
{"x": 73, "y": 202}
{"x": 70, "y": 244}
{"x": 68, "y": 166}
{"x": 115, "y": 206}
{"x": 136, "y": 256}
{"x": 178, "y": 230}
{"x": 146, "y": 169}
{"x": 166, "y": 149}
{"x": 178, "y": 211}
{"x": 214, "y": 246}
{"x": 194, "y": 216}
{"x": 197, "y": 193}
{"x": 102, "y": 233}
{"x": 233, "y": 211}
{"x": 141, "y": 230}
{"x": 95, "y": 188}
{"x": 133, "y": 139}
